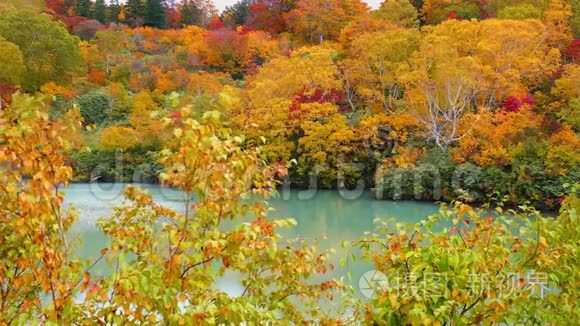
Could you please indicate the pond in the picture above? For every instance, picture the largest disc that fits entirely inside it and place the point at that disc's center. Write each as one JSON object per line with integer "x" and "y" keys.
{"x": 326, "y": 216}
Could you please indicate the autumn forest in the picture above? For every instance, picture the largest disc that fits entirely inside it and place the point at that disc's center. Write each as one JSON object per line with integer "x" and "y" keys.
{"x": 470, "y": 104}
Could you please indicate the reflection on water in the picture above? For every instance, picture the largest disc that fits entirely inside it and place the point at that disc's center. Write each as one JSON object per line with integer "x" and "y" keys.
{"x": 327, "y": 218}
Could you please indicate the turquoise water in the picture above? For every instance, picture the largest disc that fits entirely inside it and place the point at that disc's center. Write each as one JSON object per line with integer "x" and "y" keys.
{"x": 326, "y": 216}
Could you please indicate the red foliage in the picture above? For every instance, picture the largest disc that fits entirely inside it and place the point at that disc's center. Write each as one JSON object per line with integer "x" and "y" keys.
{"x": 173, "y": 17}
{"x": 215, "y": 24}
{"x": 452, "y": 15}
{"x": 227, "y": 48}
{"x": 6, "y": 92}
{"x": 88, "y": 28}
{"x": 56, "y": 6}
{"x": 573, "y": 51}
{"x": 514, "y": 104}
{"x": 252, "y": 69}
{"x": 529, "y": 100}
{"x": 266, "y": 15}
{"x": 550, "y": 125}
{"x": 483, "y": 9}
{"x": 319, "y": 96}
{"x": 175, "y": 116}
{"x": 72, "y": 21}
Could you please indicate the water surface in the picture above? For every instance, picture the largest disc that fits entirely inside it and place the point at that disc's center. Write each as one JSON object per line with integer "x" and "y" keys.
{"x": 325, "y": 216}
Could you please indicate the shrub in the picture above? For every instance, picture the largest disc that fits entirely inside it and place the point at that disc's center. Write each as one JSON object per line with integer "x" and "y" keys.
{"x": 86, "y": 30}
{"x": 465, "y": 267}
{"x": 94, "y": 107}
{"x": 135, "y": 165}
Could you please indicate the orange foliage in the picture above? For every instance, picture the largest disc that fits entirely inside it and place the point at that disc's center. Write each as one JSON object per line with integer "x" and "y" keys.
{"x": 204, "y": 83}
{"x": 364, "y": 25}
{"x": 97, "y": 76}
{"x": 57, "y": 90}
{"x": 496, "y": 137}
{"x": 165, "y": 84}
{"x": 406, "y": 157}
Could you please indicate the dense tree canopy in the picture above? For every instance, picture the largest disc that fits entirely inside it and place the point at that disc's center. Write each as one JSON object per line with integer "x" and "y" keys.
{"x": 442, "y": 100}
{"x": 50, "y": 53}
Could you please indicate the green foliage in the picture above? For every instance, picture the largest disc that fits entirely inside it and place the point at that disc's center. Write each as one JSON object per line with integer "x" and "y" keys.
{"x": 190, "y": 13}
{"x": 95, "y": 107}
{"x": 135, "y": 9}
{"x": 12, "y": 67}
{"x": 155, "y": 13}
{"x": 137, "y": 165}
{"x": 400, "y": 12}
{"x": 100, "y": 11}
{"x": 463, "y": 266}
{"x": 50, "y": 53}
{"x": 84, "y": 8}
{"x": 436, "y": 176}
{"x": 523, "y": 11}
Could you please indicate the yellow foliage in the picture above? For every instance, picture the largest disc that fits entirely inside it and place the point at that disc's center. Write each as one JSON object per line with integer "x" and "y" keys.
{"x": 143, "y": 101}
{"x": 118, "y": 137}
{"x": 90, "y": 52}
{"x": 378, "y": 60}
{"x": 395, "y": 128}
{"x": 57, "y": 90}
{"x": 563, "y": 152}
{"x": 282, "y": 78}
{"x": 568, "y": 86}
{"x": 557, "y": 19}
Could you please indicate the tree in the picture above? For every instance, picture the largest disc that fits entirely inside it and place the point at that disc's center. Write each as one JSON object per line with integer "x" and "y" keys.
{"x": 497, "y": 137}
{"x": 114, "y": 11}
{"x": 38, "y": 284}
{"x": 377, "y": 63}
{"x": 562, "y": 156}
{"x": 482, "y": 64}
{"x": 207, "y": 9}
{"x": 316, "y": 21}
{"x": 237, "y": 14}
{"x": 87, "y": 29}
{"x": 12, "y": 67}
{"x": 173, "y": 257}
{"x": 118, "y": 137}
{"x": 436, "y": 11}
{"x": 228, "y": 50}
{"x": 50, "y": 53}
{"x": 190, "y": 14}
{"x": 155, "y": 13}
{"x": 84, "y": 8}
{"x": 57, "y": 6}
{"x": 400, "y": 12}
{"x": 198, "y": 250}
{"x": 557, "y": 20}
{"x": 135, "y": 12}
{"x": 108, "y": 42}
{"x": 100, "y": 11}
{"x": 268, "y": 15}
{"x": 525, "y": 11}
{"x": 286, "y": 94}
